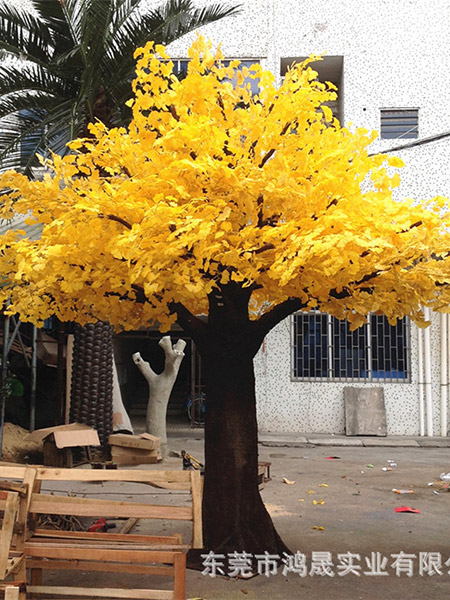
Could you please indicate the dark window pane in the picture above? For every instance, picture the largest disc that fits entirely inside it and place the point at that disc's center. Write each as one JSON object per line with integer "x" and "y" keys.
{"x": 349, "y": 350}
{"x": 310, "y": 345}
{"x": 389, "y": 348}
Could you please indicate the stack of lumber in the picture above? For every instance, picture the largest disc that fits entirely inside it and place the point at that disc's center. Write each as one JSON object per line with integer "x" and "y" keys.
{"x": 134, "y": 449}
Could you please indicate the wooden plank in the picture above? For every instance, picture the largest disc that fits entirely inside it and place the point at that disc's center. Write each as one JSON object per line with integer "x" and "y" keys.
{"x": 12, "y": 593}
{"x": 30, "y": 544}
{"x": 9, "y": 519}
{"x": 93, "y": 507}
{"x": 101, "y": 592}
{"x": 29, "y": 480}
{"x": 197, "y": 527}
{"x": 179, "y": 480}
{"x": 85, "y": 565}
{"x": 13, "y": 564}
{"x": 11, "y": 486}
{"x": 128, "y": 525}
{"x": 136, "y": 475}
{"x": 179, "y": 592}
{"x": 115, "y": 537}
{"x": 129, "y": 556}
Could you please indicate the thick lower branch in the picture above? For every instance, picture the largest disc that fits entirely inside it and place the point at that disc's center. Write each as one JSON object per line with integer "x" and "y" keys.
{"x": 192, "y": 325}
{"x": 270, "y": 319}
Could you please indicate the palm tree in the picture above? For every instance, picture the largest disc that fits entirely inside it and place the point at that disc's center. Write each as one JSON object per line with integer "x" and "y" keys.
{"x": 64, "y": 64}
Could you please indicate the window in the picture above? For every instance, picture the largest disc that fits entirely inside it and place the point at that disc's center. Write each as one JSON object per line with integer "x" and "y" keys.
{"x": 399, "y": 123}
{"x": 180, "y": 67}
{"x": 330, "y": 68}
{"x": 324, "y": 348}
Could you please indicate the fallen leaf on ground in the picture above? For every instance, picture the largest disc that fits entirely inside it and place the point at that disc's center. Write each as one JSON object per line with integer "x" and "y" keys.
{"x": 288, "y": 481}
{"x": 310, "y": 492}
{"x": 301, "y": 499}
{"x": 408, "y": 509}
{"x": 323, "y": 485}
{"x": 318, "y": 502}
{"x": 319, "y": 527}
{"x": 332, "y": 457}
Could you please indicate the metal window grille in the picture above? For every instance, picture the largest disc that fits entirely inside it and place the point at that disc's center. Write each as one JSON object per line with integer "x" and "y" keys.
{"x": 399, "y": 123}
{"x": 324, "y": 348}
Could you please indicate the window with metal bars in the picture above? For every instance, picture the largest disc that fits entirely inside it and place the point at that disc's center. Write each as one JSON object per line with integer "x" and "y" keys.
{"x": 399, "y": 123}
{"x": 324, "y": 348}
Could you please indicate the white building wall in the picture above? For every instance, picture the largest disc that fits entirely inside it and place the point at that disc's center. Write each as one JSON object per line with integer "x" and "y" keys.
{"x": 396, "y": 55}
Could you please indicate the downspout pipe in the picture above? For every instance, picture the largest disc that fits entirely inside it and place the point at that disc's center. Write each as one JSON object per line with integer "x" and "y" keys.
{"x": 427, "y": 378}
{"x": 444, "y": 373}
{"x": 421, "y": 382}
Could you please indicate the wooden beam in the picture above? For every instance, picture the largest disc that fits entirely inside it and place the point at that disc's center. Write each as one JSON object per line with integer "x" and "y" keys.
{"x": 85, "y": 565}
{"x": 197, "y": 528}
{"x": 113, "y": 537}
{"x": 160, "y": 478}
{"x": 9, "y": 519}
{"x": 13, "y": 564}
{"x": 11, "y": 486}
{"x": 100, "y": 545}
{"x": 128, "y": 556}
{"x": 179, "y": 592}
{"x": 101, "y": 592}
{"x": 12, "y": 593}
{"x": 128, "y": 525}
{"x": 93, "y": 507}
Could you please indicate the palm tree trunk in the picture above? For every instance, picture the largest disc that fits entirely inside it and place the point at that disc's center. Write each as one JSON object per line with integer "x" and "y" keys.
{"x": 92, "y": 378}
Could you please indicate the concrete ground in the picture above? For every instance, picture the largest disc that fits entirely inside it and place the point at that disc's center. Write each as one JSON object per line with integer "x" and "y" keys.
{"x": 351, "y": 498}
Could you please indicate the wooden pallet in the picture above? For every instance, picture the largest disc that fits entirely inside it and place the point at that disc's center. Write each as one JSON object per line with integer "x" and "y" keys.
{"x": 41, "y": 549}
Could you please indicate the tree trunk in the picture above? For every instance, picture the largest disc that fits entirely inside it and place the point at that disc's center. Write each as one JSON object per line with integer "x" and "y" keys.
{"x": 160, "y": 387}
{"x": 234, "y": 516}
{"x": 92, "y": 378}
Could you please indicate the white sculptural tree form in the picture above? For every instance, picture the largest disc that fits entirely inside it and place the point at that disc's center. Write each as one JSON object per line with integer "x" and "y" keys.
{"x": 160, "y": 386}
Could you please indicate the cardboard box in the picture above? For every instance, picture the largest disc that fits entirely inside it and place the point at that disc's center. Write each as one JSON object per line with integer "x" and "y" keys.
{"x": 58, "y": 443}
{"x": 67, "y": 436}
{"x": 145, "y": 441}
{"x": 135, "y": 460}
{"x": 121, "y": 451}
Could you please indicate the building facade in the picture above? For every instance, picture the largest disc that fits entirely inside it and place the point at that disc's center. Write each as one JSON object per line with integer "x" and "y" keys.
{"x": 390, "y": 62}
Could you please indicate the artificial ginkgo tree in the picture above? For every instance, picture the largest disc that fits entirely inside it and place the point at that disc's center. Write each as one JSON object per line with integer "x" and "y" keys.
{"x": 242, "y": 208}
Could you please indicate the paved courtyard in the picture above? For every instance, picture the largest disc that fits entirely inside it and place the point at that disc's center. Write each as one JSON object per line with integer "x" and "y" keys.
{"x": 351, "y": 498}
{"x": 358, "y": 517}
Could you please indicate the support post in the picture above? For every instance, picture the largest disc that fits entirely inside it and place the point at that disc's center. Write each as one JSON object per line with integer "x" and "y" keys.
{"x": 4, "y": 375}
{"x": 33, "y": 378}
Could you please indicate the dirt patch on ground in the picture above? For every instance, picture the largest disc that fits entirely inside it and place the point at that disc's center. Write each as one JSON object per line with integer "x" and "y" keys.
{"x": 276, "y": 510}
{"x": 16, "y": 449}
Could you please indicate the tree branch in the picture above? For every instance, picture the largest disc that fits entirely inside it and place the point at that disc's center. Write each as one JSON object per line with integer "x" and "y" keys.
{"x": 271, "y": 152}
{"x": 192, "y": 325}
{"x": 268, "y": 321}
{"x": 116, "y": 219}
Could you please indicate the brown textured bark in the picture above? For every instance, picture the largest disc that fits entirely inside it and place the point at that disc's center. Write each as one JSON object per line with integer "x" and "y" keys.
{"x": 234, "y": 515}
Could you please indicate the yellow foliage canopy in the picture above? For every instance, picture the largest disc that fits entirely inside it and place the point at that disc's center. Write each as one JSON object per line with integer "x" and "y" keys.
{"x": 209, "y": 185}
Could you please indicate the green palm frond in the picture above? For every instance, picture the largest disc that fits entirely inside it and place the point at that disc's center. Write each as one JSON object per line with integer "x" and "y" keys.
{"x": 74, "y": 64}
